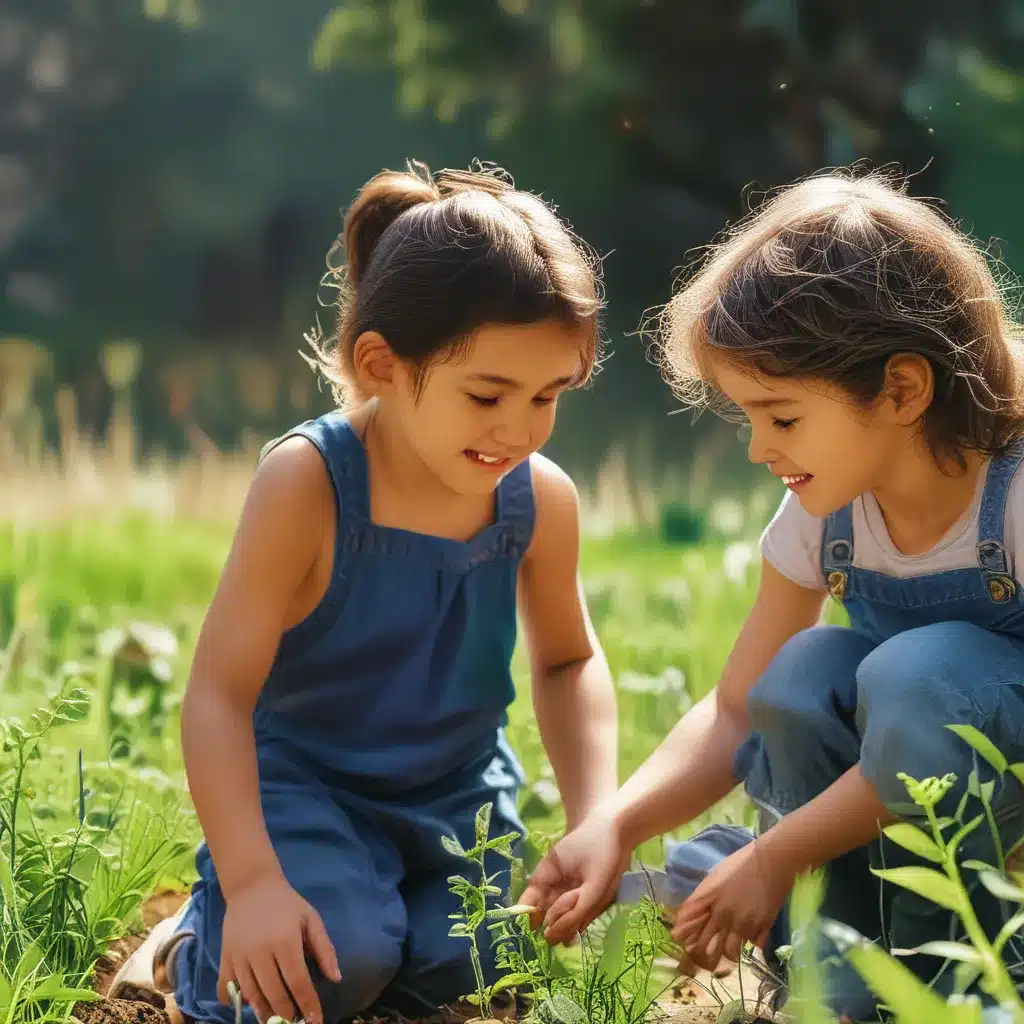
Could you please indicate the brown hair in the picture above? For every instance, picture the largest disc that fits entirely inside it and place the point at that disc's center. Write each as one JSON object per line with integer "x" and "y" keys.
{"x": 830, "y": 279}
{"x": 432, "y": 258}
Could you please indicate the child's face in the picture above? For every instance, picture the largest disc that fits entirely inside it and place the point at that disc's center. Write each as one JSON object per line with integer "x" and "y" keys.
{"x": 480, "y": 416}
{"x": 825, "y": 448}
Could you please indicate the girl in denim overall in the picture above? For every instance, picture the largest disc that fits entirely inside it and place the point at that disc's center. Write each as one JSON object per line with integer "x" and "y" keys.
{"x": 863, "y": 340}
{"x": 346, "y": 705}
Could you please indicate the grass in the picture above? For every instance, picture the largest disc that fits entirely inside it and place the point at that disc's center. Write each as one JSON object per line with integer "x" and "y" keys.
{"x": 98, "y": 619}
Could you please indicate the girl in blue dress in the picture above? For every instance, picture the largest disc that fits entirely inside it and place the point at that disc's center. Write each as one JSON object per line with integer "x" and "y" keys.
{"x": 346, "y": 705}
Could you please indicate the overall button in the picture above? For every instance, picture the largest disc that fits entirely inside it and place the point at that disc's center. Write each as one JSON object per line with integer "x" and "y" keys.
{"x": 1002, "y": 589}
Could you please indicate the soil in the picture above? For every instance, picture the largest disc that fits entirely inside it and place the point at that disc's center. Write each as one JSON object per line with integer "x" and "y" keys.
{"x": 149, "y": 1008}
{"x": 688, "y": 1003}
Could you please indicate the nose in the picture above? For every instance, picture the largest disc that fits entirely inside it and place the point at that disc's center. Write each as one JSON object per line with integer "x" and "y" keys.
{"x": 512, "y": 433}
{"x": 757, "y": 451}
{"x": 515, "y": 430}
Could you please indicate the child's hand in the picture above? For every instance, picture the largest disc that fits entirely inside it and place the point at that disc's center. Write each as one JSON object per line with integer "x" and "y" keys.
{"x": 267, "y": 928}
{"x": 737, "y": 903}
{"x": 577, "y": 879}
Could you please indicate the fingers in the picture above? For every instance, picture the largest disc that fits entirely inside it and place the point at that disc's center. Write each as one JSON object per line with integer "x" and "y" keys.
{"x": 271, "y": 984}
{"x": 224, "y": 975}
{"x": 591, "y": 900}
{"x": 547, "y": 882}
{"x": 712, "y": 953}
{"x": 535, "y": 896}
{"x": 555, "y": 930}
{"x": 251, "y": 992}
{"x": 292, "y": 965}
{"x": 686, "y": 930}
{"x": 321, "y": 946}
{"x": 696, "y": 939}
{"x": 733, "y": 948}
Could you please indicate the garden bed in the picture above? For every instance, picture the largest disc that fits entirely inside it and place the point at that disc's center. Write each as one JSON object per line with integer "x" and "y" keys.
{"x": 688, "y": 1003}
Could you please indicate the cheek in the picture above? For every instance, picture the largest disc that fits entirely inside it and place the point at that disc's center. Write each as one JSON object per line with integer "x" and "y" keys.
{"x": 544, "y": 422}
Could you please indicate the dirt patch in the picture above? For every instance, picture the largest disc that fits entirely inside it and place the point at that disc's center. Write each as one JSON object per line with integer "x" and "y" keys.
{"x": 119, "y": 1011}
{"x": 689, "y": 1003}
{"x": 150, "y": 1007}
{"x": 160, "y": 905}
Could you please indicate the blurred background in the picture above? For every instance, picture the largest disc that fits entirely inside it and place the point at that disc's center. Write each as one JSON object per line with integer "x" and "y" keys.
{"x": 172, "y": 176}
{"x": 173, "y": 172}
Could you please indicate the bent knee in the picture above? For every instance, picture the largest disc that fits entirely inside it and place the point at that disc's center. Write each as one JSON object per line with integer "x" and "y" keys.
{"x": 812, "y": 674}
{"x": 932, "y": 671}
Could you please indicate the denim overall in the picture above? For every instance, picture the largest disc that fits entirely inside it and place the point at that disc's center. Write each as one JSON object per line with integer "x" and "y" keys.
{"x": 379, "y": 730}
{"x": 921, "y": 653}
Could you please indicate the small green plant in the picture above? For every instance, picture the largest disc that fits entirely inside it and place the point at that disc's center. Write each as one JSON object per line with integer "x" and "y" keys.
{"x": 66, "y": 893}
{"x": 980, "y": 958}
{"x": 474, "y": 896}
{"x": 614, "y": 981}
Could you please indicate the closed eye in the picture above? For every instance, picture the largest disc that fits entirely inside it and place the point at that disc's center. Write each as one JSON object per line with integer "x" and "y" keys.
{"x": 484, "y": 400}
{"x": 782, "y": 424}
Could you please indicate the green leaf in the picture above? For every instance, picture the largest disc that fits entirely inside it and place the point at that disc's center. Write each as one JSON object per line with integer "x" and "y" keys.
{"x": 1008, "y": 930}
{"x": 504, "y": 842}
{"x": 913, "y": 839}
{"x": 6, "y": 880}
{"x": 30, "y": 959}
{"x": 560, "y": 1009}
{"x": 947, "y": 950}
{"x": 459, "y": 931}
{"x": 925, "y": 882}
{"x": 978, "y": 865}
{"x": 613, "y": 946}
{"x": 504, "y": 913}
{"x": 895, "y": 984}
{"x": 453, "y": 846}
{"x": 1001, "y": 887}
{"x": 483, "y": 823}
{"x": 982, "y": 744}
{"x": 58, "y": 994}
{"x": 965, "y": 975}
{"x": 510, "y": 981}
{"x": 1018, "y": 771}
{"x": 6, "y": 993}
{"x": 962, "y": 806}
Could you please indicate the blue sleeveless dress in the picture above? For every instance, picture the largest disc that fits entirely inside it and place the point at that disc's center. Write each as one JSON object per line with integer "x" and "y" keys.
{"x": 379, "y": 730}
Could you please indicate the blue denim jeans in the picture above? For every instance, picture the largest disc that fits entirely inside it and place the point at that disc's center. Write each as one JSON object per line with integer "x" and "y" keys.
{"x": 832, "y": 699}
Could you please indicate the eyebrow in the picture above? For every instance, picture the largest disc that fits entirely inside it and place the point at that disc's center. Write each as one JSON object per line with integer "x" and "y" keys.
{"x": 768, "y": 403}
{"x": 509, "y": 382}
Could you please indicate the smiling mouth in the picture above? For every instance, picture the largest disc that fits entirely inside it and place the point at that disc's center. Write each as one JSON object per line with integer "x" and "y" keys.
{"x": 796, "y": 480}
{"x": 486, "y": 460}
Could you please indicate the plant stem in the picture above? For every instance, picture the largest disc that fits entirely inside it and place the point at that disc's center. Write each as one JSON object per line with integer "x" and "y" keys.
{"x": 1002, "y": 986}
{"x": 997, "y": 842}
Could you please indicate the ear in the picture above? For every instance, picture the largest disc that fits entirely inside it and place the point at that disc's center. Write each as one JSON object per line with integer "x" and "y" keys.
{"x": 908, "y": 388}
{"x": 374, "y": 363}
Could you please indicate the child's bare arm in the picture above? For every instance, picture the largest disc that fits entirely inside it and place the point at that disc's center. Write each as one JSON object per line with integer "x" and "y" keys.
{"x": 274, "y": 549}
{"x": 686, "y": 774}
{"x": 693, "y": 766}
{"x": 573, "y": 695}
{"x": 274, "y": 552}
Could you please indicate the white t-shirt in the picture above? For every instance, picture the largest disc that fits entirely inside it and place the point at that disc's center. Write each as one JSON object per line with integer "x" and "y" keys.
{"x": 792, "y": 540}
